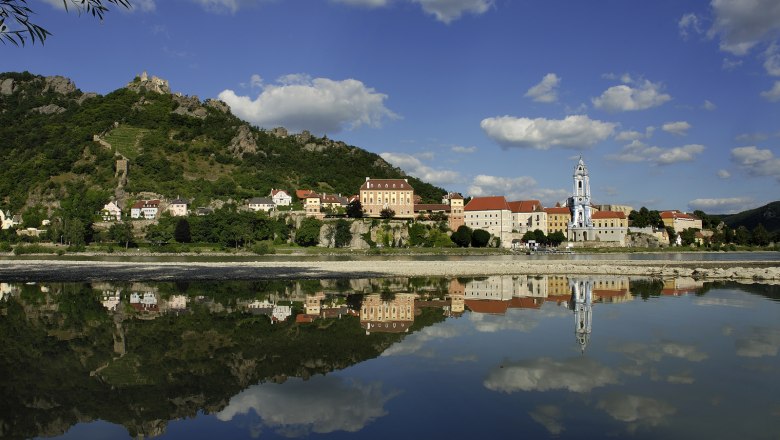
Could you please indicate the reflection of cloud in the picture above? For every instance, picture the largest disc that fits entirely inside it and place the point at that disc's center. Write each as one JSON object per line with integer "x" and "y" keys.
{"x": 644, "y": 353}
{"x": 492, "y": 323}
{"x": 761, "y": 342}
{"x": 322, "y": 405}
{"x": 681, "y": 378}
{"x": 415, "y": 343}
{"x": 636, "y": 410}
{"x": 549, "y": 417}
{"x": 725, "y": 302}
{"x": 579, "y": 375}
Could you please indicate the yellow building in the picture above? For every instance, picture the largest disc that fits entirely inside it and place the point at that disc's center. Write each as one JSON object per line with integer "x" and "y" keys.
{"x": 558, "y": 219}
{"x": 680, "y": 220}
{"x": 379, "y": 194}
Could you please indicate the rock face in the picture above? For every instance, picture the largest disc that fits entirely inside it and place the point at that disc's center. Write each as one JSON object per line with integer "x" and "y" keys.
{"x": 244, "y": 142}
{"x": 643, "y": 241}
{"x": 49, "y": 109}
{"x": 190, "y": 106}
{"x": 153, "y": 84}
{"x": 59, "y": 84}
{"x": 7, "y": 86}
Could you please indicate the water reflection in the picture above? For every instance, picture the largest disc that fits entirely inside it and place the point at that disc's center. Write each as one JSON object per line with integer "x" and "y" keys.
{"x": 551, "y": 355}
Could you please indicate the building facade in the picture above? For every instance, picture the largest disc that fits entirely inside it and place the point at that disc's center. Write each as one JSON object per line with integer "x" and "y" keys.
{"x": 528, "y": 215}
{"x": 178, "y": 208}
{"x": 558, "y": 219}
{"x": 280, "y": 197}
{"x": 456, "y": 219}
{"x": 680, "y": 220}
{"x": 491, "y": 214}
{"x": 377, "y": 195}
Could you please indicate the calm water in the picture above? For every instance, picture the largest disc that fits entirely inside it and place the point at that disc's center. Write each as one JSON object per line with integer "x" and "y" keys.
{"x": 495, "y": 357}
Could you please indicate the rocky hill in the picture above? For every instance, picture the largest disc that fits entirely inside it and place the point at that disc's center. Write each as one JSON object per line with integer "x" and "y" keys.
{"x": 65, "y": 149}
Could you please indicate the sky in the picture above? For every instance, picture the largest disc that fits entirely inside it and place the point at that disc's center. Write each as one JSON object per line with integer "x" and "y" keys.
{"x": 673, "y": 104}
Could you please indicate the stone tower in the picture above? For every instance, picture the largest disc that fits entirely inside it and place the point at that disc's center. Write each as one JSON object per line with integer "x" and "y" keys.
{"x": 581, "y": 224}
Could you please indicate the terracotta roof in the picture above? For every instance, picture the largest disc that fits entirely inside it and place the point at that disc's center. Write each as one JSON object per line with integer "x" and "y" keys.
{"x": 493, "y": 203}
{"x": 386, "y": 184}
{"x": 525, "y": 206}
{"x": 525, "y": 302}
{"x": 146, "y": 204}
{"x": 557, "y": 210}
{"x": 453, "y": 195}
{"x": 302, "y": 193}
{"x": 490, "y": 306}
{"x": 432, "y": 207}
{"x": 607, "y": 214}
{"x": 277, "y": 191}
{"x": 676, "y": 214}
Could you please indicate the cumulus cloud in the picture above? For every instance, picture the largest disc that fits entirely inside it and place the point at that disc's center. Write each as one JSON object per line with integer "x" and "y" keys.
{"x": 638, "y": 151}
{"x": 629, "y": 135}
{"x": 321, "y": 405}
{"x": 756, "y": 162}
{"x": 730, "y": 64}
{"x": 463, "y": 150}
{"x": 689, "y": 23}
{"x": 575, "y": 132}
{"x": 548, "y": 416}
{"x": 419, "y": 343}
{"x": 708, "y": 105}
{"x": 742, "y": 24}
{"x": 485, "y": 323}
{"x": 772, "y": 59}
{"x": 413, "y": 166}
{"x": 728, "y": 205}
{"x": 515, "y": 188}
{"x": 642, "y": 354}
{"x": 761, "y": 342}
{"x": 678, "y": 128}
{"x": 772, "y": 94}
{"x": 447, "y": 11}
{"x": 320, "y": 105}
{"x": 724, "y": 174}
{"x": 546, "y": 91}
{"x": 578, "y": 375}
{"x": 636, "y": 411}
{"x": 639, "y": 95}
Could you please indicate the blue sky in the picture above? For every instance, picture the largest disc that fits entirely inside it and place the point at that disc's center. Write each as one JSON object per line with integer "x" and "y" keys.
{"x": 673, "y": 104}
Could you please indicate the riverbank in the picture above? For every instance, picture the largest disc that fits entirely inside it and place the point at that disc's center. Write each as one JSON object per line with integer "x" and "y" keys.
{"x": 65, "y": 270}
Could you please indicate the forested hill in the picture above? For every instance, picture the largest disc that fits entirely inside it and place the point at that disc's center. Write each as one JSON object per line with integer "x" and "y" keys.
{"x": 177, "y": 146}
{"x": 767, "y": 215}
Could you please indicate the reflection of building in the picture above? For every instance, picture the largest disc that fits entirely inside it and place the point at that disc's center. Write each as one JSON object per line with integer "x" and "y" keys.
{"x": 277, "y": 313}
{"x": 6, "y": 291}
{"x": 457, "y": 293}
{"x": 146, "y": 302}
{"x": 681, "y": 286}
{"x": 394, "y": 316}
{"x": 497, "y": 294}
{"x": 611, "y": 289}
{"x": 111, "y": 299}
{"x": 582, "y": 303}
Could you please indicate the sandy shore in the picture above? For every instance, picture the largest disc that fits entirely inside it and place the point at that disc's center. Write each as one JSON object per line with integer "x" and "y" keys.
{"x": 43, "y": 270}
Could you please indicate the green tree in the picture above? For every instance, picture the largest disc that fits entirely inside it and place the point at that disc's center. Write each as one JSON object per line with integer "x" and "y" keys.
{"x": 462, "y": 237}
{"x": 688, "y": 236}
{"x": 158, "y": 235}
{"x": 742, "y": 236}
{"x": 308, "y": 233}
{"x": 540, "y": 237}
{"x": 387, "y": 213}
{"x": 74, "y": 232}
{"x": 122, "y": 232}
{"x": 342, "y": 234}
{"x": 760, "y": 236}
{"x": 355, "y": 209}
{"x": 418, "y": 234}
{"x": 480, "y": 238}
{"x": 33, "y": 217}
{"x": 556, "y": 238}
{"x": 672, "y": 235}
{"x": 21, "y": 28}
{"x": 182, "y": 232}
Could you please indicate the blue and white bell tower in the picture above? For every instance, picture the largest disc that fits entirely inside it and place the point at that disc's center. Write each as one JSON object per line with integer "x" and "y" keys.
{"x": 579, "y": 204}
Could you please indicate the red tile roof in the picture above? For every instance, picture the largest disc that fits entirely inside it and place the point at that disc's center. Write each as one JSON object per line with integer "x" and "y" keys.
{"x": 490, "y": 306}
{"x": 525, "y": 206}
{"x": 302, "y": 193}
{"x": 676, "y": 214}
{"x": 607, "y": 214}
{"x": 493, "y": 203}
{"x": 453, "y": 195}
{"x": 386, "y": 184}
{"x": 557, "y": 210}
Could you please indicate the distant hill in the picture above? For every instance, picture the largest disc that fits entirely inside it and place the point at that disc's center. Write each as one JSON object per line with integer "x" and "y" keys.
{"x": 767, "y": 215}
{"x": 60, "y": 148}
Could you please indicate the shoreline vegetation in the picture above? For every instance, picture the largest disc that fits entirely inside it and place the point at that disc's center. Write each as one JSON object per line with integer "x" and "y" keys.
{"x": 67, "y": 269}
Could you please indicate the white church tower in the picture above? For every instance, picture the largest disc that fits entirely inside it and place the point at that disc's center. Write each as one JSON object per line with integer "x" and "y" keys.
{"x": 582, "y": 303}
{"x": 579, "y": 204}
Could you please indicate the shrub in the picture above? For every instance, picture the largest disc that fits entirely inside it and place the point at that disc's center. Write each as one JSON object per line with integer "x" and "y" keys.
{"x": 263, "y": 248}
{"x": 32, "y": 249}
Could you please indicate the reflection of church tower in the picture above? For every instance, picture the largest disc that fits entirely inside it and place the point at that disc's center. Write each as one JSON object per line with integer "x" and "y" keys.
{"x": 579, "y": 203}
{"x": 582, "y": 303}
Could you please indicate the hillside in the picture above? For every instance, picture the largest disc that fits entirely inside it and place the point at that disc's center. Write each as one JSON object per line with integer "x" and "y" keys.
{"x": 59, "y": 149}
{"x": 767, "y": 215}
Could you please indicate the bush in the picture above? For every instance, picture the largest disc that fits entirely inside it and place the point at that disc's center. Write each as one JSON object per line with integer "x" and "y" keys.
{"x": 32, "y": 249}
{"x": 263, "y": 248}
{"x": 5, "y": 246}
{"x": 480, "y": 238}
{"x": 462, "y": 237}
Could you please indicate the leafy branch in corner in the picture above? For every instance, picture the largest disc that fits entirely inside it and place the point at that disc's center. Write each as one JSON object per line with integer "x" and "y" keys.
{"x": 16, "y": 27}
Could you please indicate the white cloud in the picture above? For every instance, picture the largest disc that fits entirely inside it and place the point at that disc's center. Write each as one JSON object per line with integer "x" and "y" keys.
{"x": 756, "y": 162}
{"x": 548, "y": 416}
{"x": 629, "y": 135}
{"x": 575, "y": 132}
{"x": 642, "y": 353}
{"x": 226, "y": 6}
{"x": 708, "y": 105}
{"x": 419, "y": 343}
{"x": 321, "y": 405}
{"x": 636, "y": 410}
{"x": 730, "y": 64}
{"x": 727, "y": 205}
{"x": 689, "y": 22}
{"x": 579, "y": 375}
{"x": 751, "y": 137}
{"x": 741, "y": 24}
{"x": 515, "y": 188}
{"x": 463, "y": 150}
{"x": 546, "y": 91}
{"x": 485, "y": 323}
{"x": 447, "y": 11}
{"x": 413, "y": 166}
{"x": 772, "y": 94}
{"x": 678, "y": 128}
{"x": 761, "y": 342}
{"x": 724, "y": 174}
{"x": 643, "y": 95}
{"x": 364, "y": 3}
{"x": 320, "y": 105}
{"x": 256, "y": 81}
{"x": 638, "y": 151}
{"x": 772, "y": 59}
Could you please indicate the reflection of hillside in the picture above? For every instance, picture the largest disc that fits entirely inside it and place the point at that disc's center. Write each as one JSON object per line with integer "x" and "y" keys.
{"x": 105, "y": 363}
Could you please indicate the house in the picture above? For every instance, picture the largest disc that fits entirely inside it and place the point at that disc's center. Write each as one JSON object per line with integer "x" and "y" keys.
{"x": 558, "y": 219}
{"x": 491, "y": 214}
{"x": 261, "y": 204}
{"x": 301, "y": 194}
{"x": 203, "y": 210}
{"x": 333, "y": 201}
{"x": 6, "y": 220}
{"x": 377, "y": 195}
{"x": 111, "y": 212}
{"x": 146, "y": 209}
{"x": 610, "y": 226}
{"x": 456, "y": 219}
{"x": 680, "y": 220}
{"x": 312, "y": 204}
{"x": 528, "y": 215}
{"x": 395, "y": 316}
{"x": 280, "y": 197}
{"x": 178, "y": 207}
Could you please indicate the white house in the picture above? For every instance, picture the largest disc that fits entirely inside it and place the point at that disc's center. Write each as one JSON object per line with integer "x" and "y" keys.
{"x": 111, "y": 212}
{"x": 146, "y": 209}
{"x": 178, "y": 208}
{"x": 261, "y": 204}
{"x": 280, "y": 197}
{"x": 492, "y": 214}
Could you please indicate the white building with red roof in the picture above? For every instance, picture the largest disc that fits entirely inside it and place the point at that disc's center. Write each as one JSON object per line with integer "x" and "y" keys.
{"x": 146, "y": 209}
{"x": 680, "y": 220}
{"x": 492, "y": 214}
{"x": 280, "y": 197}
{"x": 528, "y": 215}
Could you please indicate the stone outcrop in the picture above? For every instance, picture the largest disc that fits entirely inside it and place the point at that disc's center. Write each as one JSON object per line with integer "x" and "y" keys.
{"x": 48, "y": 109}
{"x": 151, "y": 84}
{"x": 7, "y": 86}
{"x": 243, "y": 142}
{"x": 59, "y": 84}
{"x": 189, "y": 106}
{"x": 217, "y": 104}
